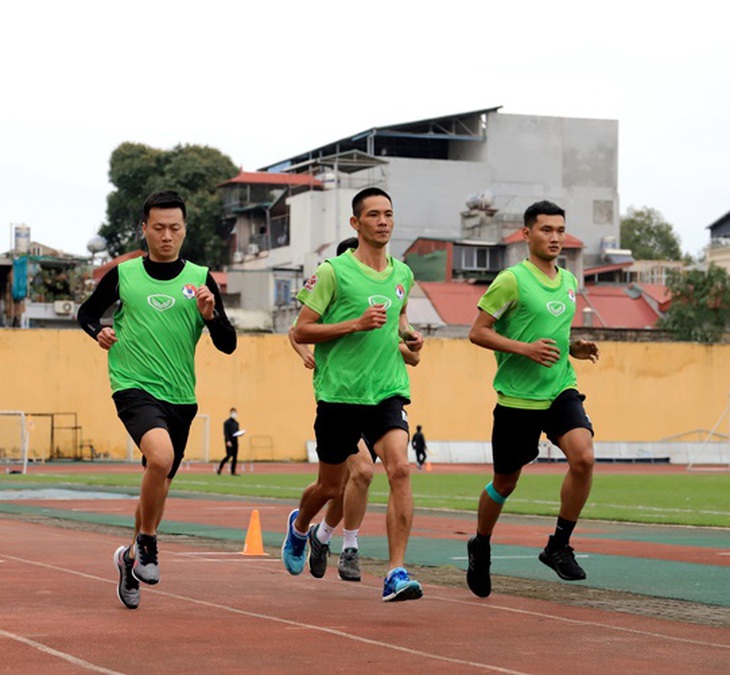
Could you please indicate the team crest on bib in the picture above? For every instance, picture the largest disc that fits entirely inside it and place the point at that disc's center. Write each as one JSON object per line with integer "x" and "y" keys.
{"x": 188, "y": 291}
{"x": 555, "y": 307}
{"x": 400, "y": 292}
{"x": 571, "y": 295}
{"x": 160, "y": 302}
{"x": 310, "y": 283}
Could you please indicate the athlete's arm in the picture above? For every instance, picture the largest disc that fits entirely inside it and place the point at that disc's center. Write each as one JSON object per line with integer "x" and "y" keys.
{"x": 304, "y": 353}
{"x": 411, "y": 358}
{"x": 482, "y": 334}
{"x": 411, "y": 337}
{"x": 89, "y": 316}
{"x": 222, "y": 333}
{"x": 318, "y": 294}
{"x": 584, "y": 349}
{"x": 309, "y": 331}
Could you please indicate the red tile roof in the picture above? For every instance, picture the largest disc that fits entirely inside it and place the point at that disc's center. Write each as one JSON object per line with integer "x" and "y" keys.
{"x": 100, "y": 271}
{"x": 659, "y": 293}
{"x": 609, "y": 267}
{"x": 456, "y": 304}
{"x": 273, "y": 178}
{"x": 614, "y": 308}
{"x": 570, "y": 240}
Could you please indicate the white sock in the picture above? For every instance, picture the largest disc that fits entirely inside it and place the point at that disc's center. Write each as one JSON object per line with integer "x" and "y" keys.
{"x": 350, "y": 539}
{"x": 324, "y": 533}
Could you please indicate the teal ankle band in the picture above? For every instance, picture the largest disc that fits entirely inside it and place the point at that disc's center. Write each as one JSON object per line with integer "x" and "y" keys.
{"x": 496, "y": 497}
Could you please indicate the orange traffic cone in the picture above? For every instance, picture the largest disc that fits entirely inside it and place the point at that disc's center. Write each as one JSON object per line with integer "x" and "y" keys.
{"x": 428, "y": 466}
{"x": 254, "y": 544}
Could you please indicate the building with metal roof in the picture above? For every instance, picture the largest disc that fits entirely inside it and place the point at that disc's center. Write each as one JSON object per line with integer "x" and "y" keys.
{"x": 440, "y": 172}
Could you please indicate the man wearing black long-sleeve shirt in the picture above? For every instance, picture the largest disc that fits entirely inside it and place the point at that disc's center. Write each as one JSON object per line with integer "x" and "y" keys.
{"x": 163, "y": 304}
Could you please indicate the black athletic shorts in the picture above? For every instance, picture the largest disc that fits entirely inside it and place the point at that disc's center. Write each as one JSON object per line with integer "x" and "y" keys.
{"x": 140, "y": 412}
{"x": 516, "y": 431}
{"x": 339, "y": 426}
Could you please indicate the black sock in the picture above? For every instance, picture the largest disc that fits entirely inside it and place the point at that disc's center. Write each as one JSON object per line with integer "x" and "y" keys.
{"x": 563, "y": 530}
{"x": 483, "y": 539}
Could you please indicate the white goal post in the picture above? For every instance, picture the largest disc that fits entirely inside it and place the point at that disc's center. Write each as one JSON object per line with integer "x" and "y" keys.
{"x": 14, "y": 438}
{"x": 713, "y": 456}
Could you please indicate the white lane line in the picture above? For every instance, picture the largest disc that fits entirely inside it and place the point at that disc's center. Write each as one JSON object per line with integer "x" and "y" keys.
{"x": 487, "y": 606}
{"x": 581, "y": 622}
{"x": 287, "y": 622}
{"x": 54, "y": 652}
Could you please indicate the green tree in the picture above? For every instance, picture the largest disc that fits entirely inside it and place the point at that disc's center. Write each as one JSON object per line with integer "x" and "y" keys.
{"x": 194, "y": 171}
{"x": 649, "y": 236}
{"x": 700, "y": 308}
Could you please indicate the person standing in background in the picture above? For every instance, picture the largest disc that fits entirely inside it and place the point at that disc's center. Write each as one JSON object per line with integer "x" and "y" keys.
{"x": 230, "y": 435}
{"x": 418, "y": 442}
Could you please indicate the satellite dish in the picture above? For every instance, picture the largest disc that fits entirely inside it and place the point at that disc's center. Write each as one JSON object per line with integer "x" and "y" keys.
{"x": 96, "y": 244}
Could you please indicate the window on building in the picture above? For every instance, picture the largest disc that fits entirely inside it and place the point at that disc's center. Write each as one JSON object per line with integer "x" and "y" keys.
{"x": 477, "y": 258}
{"x": 282, "y": 292}
{"x": 279, "y": 231}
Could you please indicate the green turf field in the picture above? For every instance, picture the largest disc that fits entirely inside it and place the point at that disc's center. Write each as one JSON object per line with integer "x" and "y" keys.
{"x": 680, "y": 499}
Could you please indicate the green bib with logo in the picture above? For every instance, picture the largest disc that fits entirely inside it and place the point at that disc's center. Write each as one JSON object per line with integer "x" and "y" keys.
{"x": 542, "y": 311}
{"x": 158, "y": 326}
{"x": 364, "y": 367}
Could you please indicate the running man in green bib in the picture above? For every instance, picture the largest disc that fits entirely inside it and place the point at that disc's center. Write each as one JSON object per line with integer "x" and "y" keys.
{"x": 525, "y": 318}
{"x": 351, "y": 506}
{"x": 164, "y": 302}
{"x": 355, "y": 314}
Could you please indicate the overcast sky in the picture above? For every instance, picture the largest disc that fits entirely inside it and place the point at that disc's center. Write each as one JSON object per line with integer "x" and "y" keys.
{"x": 262, "y": 81}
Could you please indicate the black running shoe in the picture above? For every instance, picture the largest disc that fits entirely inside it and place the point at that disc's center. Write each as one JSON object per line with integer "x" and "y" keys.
{"x": 477, "y": 576}
{"x": 128, "y": 587}
{"x": 145, "y": 566}
{"x": 318, "y": 554}
{"x": 562, "y": 560}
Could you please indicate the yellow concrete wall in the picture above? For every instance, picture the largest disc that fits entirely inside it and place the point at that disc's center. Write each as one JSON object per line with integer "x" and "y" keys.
{"x": 637, "y": 391}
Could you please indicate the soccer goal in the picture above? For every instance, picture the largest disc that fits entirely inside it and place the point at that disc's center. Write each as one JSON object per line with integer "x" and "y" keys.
{"x": 14, "y": 440}
{"x": 713, "y": 454}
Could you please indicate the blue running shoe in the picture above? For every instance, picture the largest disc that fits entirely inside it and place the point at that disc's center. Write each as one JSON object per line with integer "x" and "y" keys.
{"x": 292, "y": 550}
{"x": 399, "y": 586}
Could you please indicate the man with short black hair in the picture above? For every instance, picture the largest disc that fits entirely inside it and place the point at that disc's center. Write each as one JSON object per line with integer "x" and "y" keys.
{"x": 351, "y": 505}
{"x": 525, "y": 318}
{"x": 355, "y": 314}
{"x": 164, "y": 304}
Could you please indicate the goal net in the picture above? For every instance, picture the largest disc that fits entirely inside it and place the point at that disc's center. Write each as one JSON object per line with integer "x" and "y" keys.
{"x": 14, "y": 440}
{"x": 714, "y": 452}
